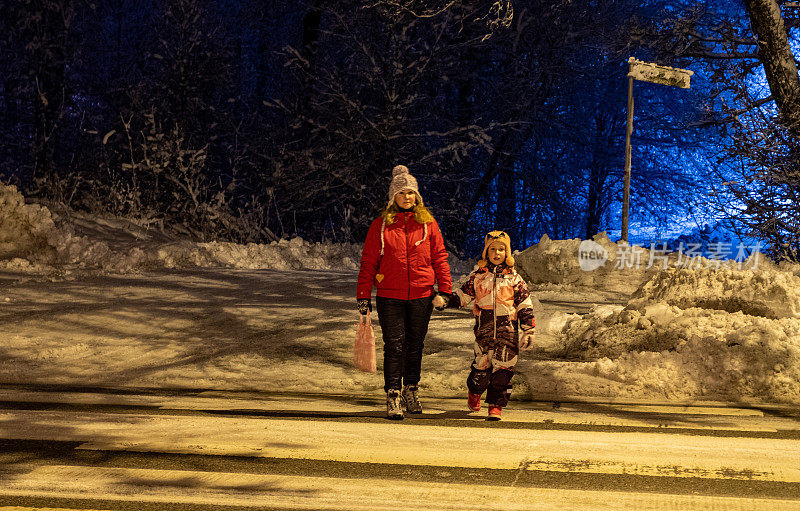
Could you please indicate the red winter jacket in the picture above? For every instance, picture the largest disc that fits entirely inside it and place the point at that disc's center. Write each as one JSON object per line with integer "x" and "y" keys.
{"x": 412, "y": 260}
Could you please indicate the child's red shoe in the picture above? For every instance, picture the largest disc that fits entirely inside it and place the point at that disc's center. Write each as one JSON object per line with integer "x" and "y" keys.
{"x": 474, "y": 402}
{"x": 494, "y": 413}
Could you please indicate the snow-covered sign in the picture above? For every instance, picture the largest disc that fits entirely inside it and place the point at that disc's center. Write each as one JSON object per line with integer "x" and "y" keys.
{"x": 649, "y": 72}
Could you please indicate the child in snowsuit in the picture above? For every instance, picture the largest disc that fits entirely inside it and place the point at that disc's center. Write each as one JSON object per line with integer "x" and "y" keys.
{"x": 502, "y": 306}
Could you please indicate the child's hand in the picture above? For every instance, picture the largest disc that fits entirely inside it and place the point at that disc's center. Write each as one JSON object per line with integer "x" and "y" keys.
{"x": 454, "y": 302}
{"x": 526, "y": 339}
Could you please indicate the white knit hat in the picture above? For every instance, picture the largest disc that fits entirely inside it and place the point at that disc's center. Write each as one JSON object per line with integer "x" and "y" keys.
{"x": 402, "y": 180}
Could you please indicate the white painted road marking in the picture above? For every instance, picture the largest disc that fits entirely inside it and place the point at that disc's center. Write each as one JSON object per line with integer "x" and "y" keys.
{"x": 636, "y": 453}
{"x": 298, "y": 492}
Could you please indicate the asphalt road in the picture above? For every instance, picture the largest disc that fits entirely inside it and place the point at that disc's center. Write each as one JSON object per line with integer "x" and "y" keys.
{"x": 120, "y": 449}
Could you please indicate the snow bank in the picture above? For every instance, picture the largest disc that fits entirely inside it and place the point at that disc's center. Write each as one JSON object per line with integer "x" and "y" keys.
{"x": 715, "y": 354}
{"x": 766, "y": 292}
{"x": 688, "y": 332}
{"x": 25, "y": 229}
{"x": 557, "y": 262}
{"x": 32, "y": 242}
{"x": 716, "y": 333}
{"x": 294, "y": 254}
{"x": 28, "y": 232}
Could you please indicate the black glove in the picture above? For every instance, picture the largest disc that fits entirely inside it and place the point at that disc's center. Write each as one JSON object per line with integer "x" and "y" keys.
{"x": 364, "y": 306}
{"x": 442, "y": 306}
{"x": 454, "y": 302}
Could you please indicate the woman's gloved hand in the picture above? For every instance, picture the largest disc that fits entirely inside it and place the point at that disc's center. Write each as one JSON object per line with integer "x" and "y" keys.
{"x": 364, "y": 306}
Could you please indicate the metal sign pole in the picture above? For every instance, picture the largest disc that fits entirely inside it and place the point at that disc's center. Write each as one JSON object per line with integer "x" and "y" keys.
{"x": 646, "y": 72}
{"x": 626, "y": 191}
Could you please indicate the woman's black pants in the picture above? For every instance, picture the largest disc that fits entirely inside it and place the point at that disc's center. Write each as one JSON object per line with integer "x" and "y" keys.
{"x": 404, "y": 324}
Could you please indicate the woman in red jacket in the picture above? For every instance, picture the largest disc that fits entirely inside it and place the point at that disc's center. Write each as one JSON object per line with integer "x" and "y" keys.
{"x": 404, "y": 255}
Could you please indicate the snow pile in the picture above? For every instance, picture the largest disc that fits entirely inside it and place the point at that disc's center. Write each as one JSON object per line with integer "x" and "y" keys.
{"x": 294, "y": 254}
{"x": 718, "y": 355}
{"x": 715, "y": 333}
{"x": 766, "y": 292}
{"x": 32, "y": 242}
{"x": 24, "y": 228}
{"x": 28, "y": 232}
{"x": 557, "y": 262}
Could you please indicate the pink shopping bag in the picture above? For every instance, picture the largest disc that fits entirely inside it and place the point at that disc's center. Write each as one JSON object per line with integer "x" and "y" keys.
{"x": 364, "y": 347}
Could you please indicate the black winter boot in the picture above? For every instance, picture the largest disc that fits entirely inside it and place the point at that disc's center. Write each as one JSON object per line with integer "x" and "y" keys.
{"x": 411, "y": 399}
{"x": 394, "y": 407}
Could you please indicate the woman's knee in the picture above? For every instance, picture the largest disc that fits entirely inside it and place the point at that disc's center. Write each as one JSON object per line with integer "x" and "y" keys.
{"x": 393, "y": 345}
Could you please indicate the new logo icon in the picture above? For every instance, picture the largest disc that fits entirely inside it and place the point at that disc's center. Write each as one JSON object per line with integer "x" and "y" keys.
{"x": 591, "y": 255}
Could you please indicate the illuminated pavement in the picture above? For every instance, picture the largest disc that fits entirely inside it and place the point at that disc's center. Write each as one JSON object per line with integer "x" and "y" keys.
{"x": 105, "y": 449}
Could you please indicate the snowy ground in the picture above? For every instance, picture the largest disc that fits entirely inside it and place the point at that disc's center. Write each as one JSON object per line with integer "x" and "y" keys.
{"x": 90, "y": 301}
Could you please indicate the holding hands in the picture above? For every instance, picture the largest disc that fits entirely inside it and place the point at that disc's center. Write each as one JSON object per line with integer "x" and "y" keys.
{"x": 440, "y": 301}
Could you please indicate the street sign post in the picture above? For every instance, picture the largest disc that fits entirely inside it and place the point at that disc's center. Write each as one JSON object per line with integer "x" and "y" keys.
{"x": 646, "y": 72}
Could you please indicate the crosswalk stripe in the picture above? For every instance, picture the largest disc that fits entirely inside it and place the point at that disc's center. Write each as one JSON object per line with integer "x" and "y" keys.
{"x": 21, "y": 508}
{"x": 409, "y": 444}
{"x": 303, "y": 492}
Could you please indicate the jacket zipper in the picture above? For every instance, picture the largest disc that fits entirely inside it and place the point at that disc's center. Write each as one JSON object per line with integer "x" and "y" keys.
{"x": 408, "y": 259}
{"x": 494, "y": 305}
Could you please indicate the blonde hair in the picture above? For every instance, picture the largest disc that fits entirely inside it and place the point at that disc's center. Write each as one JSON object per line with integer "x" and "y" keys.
{"x": 421, "y": 213}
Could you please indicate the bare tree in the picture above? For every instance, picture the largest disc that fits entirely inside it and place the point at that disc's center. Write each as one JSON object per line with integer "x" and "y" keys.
{"x": 755, "y": 179}
{"x": 42, "y": 36}
{"x": 776, "y": 56}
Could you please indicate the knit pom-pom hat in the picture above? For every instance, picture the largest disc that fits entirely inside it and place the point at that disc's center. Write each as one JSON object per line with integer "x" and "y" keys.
{"x": 496, "y": 237}
{"x": 403, "y": 180}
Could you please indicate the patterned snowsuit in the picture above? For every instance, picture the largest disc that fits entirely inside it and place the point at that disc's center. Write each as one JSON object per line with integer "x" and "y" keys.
{"x": 502, "y": 305}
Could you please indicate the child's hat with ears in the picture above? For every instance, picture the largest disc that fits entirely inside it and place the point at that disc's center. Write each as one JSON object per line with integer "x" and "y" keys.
{"x": 496, "y": 237}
